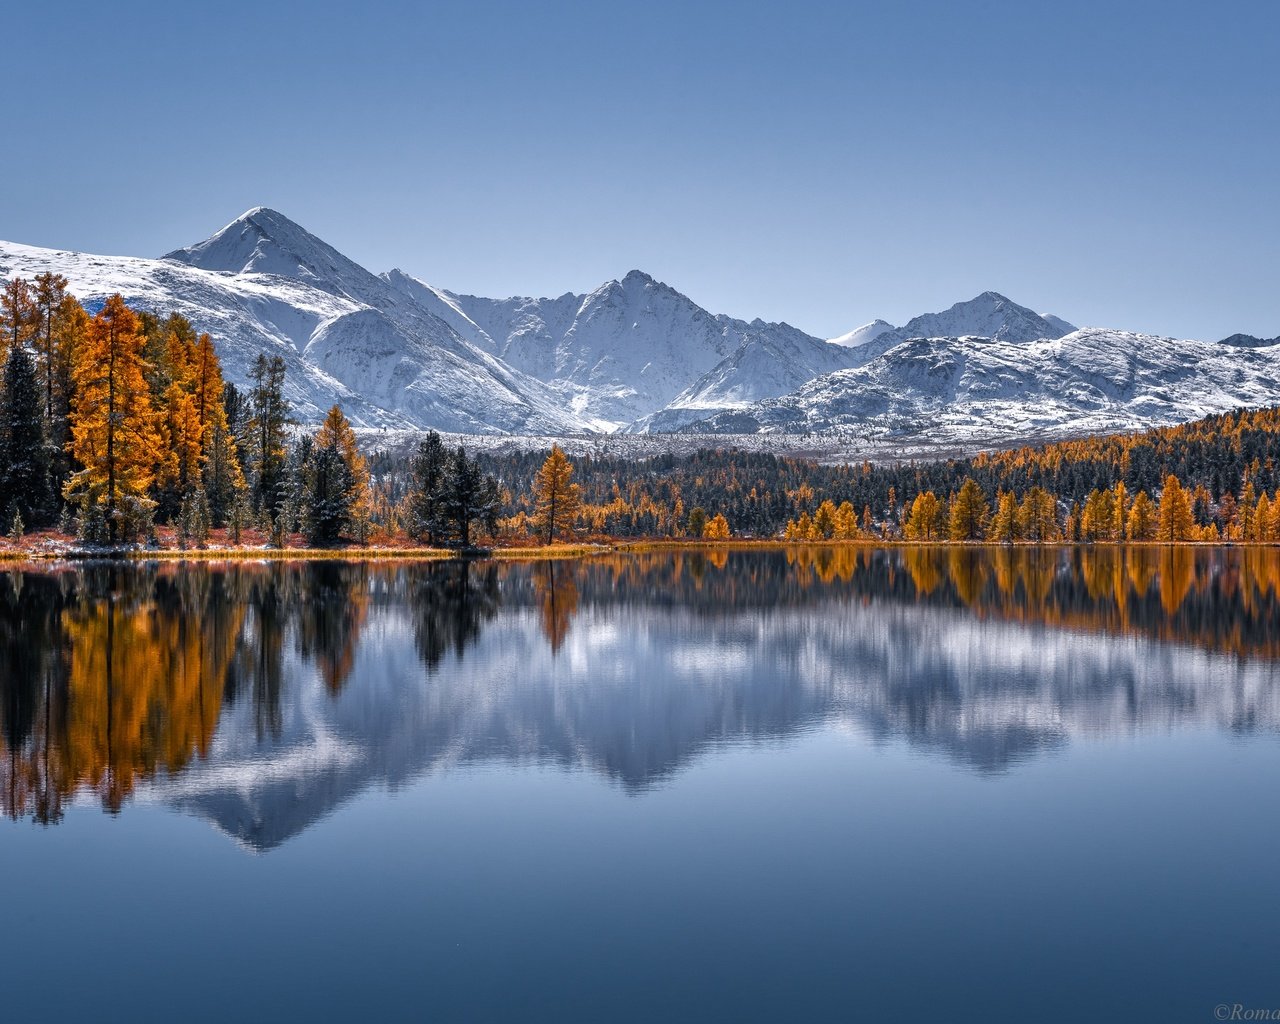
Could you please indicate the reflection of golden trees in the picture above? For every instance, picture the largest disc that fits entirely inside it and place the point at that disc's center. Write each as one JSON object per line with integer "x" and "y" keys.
{"x": 925, "y": 567}
{"x": 968, "y": 568}
{"x": 828, "y": 563}
{"x": 557, "y": 592}
{"x": 1142, "y": 567}
{"x": 1177, "y": 571}
{"x": 141, "y": 690}
{"x": 111, "y": 676}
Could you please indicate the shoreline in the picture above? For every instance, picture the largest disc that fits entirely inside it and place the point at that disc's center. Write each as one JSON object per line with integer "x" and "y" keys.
{"x": 528, "y": 553}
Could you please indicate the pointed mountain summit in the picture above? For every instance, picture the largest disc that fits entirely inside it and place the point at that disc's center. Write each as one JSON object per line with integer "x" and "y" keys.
{"x": 263, "y": 241}
{"x": 989, "y": 315}
{"x": 617, "y": 353}
{"x": 863, "y": 335}
{"x": 392, "y": 351}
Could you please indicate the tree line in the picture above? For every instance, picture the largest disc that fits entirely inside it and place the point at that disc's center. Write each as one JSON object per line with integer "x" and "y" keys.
{"x": 1211, "y": 479}
{"x": 116, "y": 421}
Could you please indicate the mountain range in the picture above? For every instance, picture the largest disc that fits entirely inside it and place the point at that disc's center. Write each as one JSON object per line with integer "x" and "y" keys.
{"x": 637, "y": 355}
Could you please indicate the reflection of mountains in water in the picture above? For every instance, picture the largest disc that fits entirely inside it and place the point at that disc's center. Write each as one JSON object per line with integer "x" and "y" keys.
{"x": 292, "y": 688}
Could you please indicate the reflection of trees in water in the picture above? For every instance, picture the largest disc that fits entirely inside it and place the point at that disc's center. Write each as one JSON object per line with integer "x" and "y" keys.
{"x": 553, "y": 582}
{"x": 1218, "y": 598}
{"x": 450, "y": 602}
{"x": 33, "y": 680}
{"x": 115, "y": 674}
{"x": 333, "y": 604}
{"x": 112, "y": 675}
{"x": 256, "y": 670}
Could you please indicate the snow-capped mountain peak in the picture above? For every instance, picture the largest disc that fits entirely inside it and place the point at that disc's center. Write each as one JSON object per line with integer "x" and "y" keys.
{"x": 863, "y": 335}
{"x": 263, "y": 241}
{"x": 989, "y": 315}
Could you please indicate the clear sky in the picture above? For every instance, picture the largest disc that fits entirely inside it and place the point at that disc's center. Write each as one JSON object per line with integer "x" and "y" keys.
{"x": 821, "y": 163}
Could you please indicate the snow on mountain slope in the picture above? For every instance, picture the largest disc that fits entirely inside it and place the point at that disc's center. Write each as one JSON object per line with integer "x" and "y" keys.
{"x": 405, "y": 355}
{"x": 862, "y": 335}
{"x": 958, "y": 389}
{"x": 635, "y": 353}
{"x": 246, "y": 315}
{"x": 628, "y": 348}
{"x": 1058, "y": 323}
{"x": 772, "y": 360}
{"x": 1248, "y": 341}
{"x": 771, "y": 366}
{"x": 989, "y": 315}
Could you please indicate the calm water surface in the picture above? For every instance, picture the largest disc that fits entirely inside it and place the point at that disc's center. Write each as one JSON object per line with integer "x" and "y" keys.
{"x": 816, "y": 785}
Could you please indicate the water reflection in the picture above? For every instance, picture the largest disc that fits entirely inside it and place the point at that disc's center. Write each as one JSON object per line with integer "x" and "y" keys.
{"x": 262, "y": 697}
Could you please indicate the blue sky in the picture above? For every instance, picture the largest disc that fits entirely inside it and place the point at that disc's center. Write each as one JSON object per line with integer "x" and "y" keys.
{"x": 824, "y": 164}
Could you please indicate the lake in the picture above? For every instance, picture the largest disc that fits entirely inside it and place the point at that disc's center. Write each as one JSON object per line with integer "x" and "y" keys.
{"x": 815, "y": 784}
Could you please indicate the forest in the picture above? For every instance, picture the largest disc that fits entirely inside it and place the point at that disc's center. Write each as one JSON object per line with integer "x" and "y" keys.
{"x": 118, "y": 428}
{"x": 1210, "y": 480}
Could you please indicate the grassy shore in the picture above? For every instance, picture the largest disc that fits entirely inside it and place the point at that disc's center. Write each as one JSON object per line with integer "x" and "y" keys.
{"x": 363, "y": 554}
{"x": 256, "y": 553}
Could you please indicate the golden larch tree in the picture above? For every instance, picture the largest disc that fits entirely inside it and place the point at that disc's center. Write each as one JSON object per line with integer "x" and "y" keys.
{"x": 969, "y": 512}
{"x": 1176, "y": 522}
{"x": 19, "y": 316}
{"x": 1004, "y": 524}
{"x": 922, "y": 520}
{"x": 717, "y": 528}
{"x": 178, "y": 469}
{"x": 1038, "y": 516}
{"x": 557, "y": 498}
{"x": 113, "y": 428}
{"x": 1142, "y": 517}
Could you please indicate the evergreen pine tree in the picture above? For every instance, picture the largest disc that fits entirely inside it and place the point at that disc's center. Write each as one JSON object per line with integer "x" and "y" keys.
{"x": 426, "y": 520}
{"x": 239, "y": 518}
{"x": 333, "y": 499}
{"x": 469, "y": 497}
{"x": 24, "y": 466}
{"x": 326, "y": 500}
{"x": 50, "y": 293}
{"x": 223, "y": 479}
{"x": 265, "y": 438}
{"x": 697, "y": 520}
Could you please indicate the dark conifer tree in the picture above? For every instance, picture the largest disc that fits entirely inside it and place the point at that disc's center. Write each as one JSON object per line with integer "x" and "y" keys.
{"x": 265, "y": 438}
{"x": 24, "y": 466}
{"x": 470, "y": 498}
{"x": 326, "y": 495}
{"x": 426, "y": 497}
{"x": 50, "y": 293}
